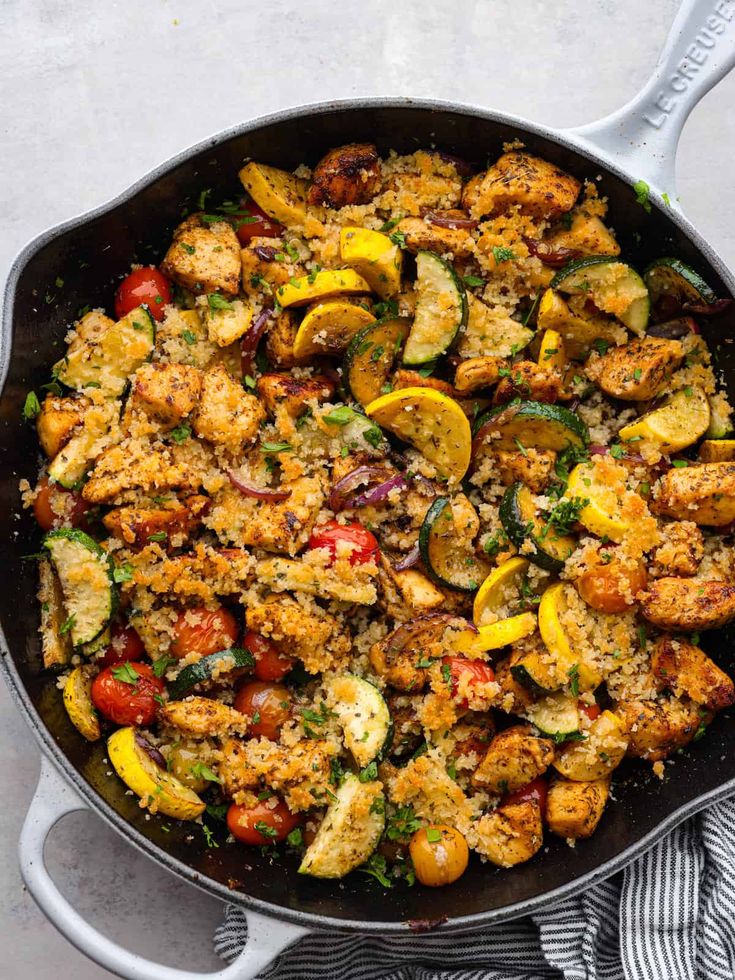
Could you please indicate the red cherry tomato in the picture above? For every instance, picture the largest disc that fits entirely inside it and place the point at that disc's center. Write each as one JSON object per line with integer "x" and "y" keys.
{"x": 479, "y": 673}
{"x": 203, "y": 631}
{"x": 270, "y": 663}
{"x": 269, "y": 705}
{"x": 126, "y": 694}
{"x": 55, "y": 506}
{"x": 536, "y": 791}
{"x": 263, "y": 823}
{"x": 252, "y": 222}
{"x": 146, "y": 285}
{"x": 125, "y": 646}
{"x": 331, "y": 534}
{"x": 591, "y": 710}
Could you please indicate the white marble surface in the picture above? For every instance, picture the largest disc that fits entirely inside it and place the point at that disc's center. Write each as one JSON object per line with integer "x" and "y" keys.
{"x": 93, "y": 94}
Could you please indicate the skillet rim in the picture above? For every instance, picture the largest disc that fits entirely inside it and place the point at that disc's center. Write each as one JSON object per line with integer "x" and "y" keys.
{"x": 582, "y": 148}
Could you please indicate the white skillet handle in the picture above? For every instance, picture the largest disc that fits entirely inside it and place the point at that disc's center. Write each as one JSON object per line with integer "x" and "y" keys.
{"x": 54, "y": 799}
{"x": 642, "y": 136}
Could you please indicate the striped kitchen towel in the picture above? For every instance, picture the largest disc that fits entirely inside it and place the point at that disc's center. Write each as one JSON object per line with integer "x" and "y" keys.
{"x": 669, "y": 916}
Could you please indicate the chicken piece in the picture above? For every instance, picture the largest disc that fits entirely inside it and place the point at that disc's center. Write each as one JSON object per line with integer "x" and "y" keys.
{"x": 203, "y": 717}
{"x": 658, "y": 728}
{"x": 595, "y": 757}
{"x": 167, "y": 393}
{"x": 491, "y": 332}
{"x": 58, "y": 420}
{"x": 477, "y": 372}
{"x": 226, "y": 323}
{"x": 414, "y": 593}
{"x": 514, "y": 696}
{"x": 235, "y": 771}
{"x": 680, "y": 552}
{"x": 586, "y": 235}
{"x": 283, "y": 394}
{"x": 203, "y": 576}
{"x": 528, "y": 381}
{"x": 688, "y": 672}
{"x": 534, "y": 467}
{"x": 228, "y": 416}
{"x": 134, "y": 466}
{"x": 204, "y": 256}
{"x": 309, "y": 633}
{"x": 688, "y": 604}
{"x": 300, "y": 773}
{"x": 513, "y": 759}
{"x": 405, "y": 378}
{"x": 397, "y": 656}
{"x": 280, "y": 526}
{"x": 174, "y": 519}
{"x": 518, "y": 179}
{"x": 280, "y": 339}
{"x": 573, "y": 810}
{"x": 511, "y": 834}
{"x": 265, "y": 267}
{"x": 704, "y": 494}
{"x": 420, "y": 234}
{"x": 348, "y": 174}
{"x": 636, "y": 371}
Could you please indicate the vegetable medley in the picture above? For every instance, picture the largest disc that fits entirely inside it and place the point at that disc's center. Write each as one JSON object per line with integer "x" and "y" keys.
{"x": 383, "y": 519}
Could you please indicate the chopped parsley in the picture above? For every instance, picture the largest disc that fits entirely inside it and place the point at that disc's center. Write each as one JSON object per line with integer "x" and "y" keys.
{"x": 188, "y": 337}
{"x": 433, "y": 835}
{"x": 679, "y": 464}
{"x": 642, "y": 192}
{"x": 503, "y": 254}
{"x": 265, "y": 829}
{"x": 340, "y": 416}
{"x": 126, "y": 673}
{"x": 200, "y": 771}
{"x": 295, "y": 838}
{"x": 275, "y": 447}
{"x": 398, "y": 238}
{"x": 218, "y": 811}
{"x": 181, "y": 433}
{"x": 31, "y": 406}
{"x": 67, "y": 625}
{"x": 217, "y": 302}
{"x": 122, "y": 573}
{"x": 369, "y": 773}
{"x": 573, "y": 675}
{"x": 376, "y": 865}
{"x": 161, "y": 665}
{"x": 473, "y": 281}
{"x": 189, "y": 249}
{"x": 209, "y": 836}
{"x": 159, "y": 537}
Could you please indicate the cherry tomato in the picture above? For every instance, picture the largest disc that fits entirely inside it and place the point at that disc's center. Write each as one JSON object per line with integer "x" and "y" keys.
{"x": 146, "y": 285}
{"x": 591, "y": 710}
{"x": 477, "y": 671}
{"x": 263, "y": 823}
{"x": 126, "y": 694}
{"x": 125, "y": 646}
{"x": 204, "y": 631}
{"x": 536, "y": 791}
{"x": 607, "y": 588}
{"x": 252, "y": 222}
{"x": 55, "y": 506}
{"x": 269, "y": 705}
{"x": 331, "y": 534}
{"x": 270, "y": 663}
{"x": 439, "y": 855}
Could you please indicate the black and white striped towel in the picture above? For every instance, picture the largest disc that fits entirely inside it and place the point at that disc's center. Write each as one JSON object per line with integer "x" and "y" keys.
{"x": 669, "y": 916}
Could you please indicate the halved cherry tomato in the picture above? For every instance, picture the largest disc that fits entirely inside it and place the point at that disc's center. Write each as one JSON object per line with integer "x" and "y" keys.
{"x": 270, "y": 663}
{"x": 329, "y": 535}
{"x": 126, "y": 694}
{"x": 125, "y": 646}
{"x": 263, "y": 823}
{"x": 536, "y": 791}
{"x": 269, "y": 705}
{"x": 205, "y": 631}
{"x": 55, "y": 506}
{"x": 252, "y": 222}
{"x": 479, "y": 673}
{"x": 146, "y": 285}
{"x": 591, "y": 710}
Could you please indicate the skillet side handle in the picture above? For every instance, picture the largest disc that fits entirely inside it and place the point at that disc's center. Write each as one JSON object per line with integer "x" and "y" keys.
{"x": 54, "y": 798}
{"x": 642, "y": 136}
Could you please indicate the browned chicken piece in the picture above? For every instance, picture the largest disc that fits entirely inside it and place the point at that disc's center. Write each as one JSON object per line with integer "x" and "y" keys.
{"x": 534, "y": 467}
{"x": 197, "y": 716}
{"x": 167, "y": 393}
{"x": 514, "y": 758}
{"x": 477, "y": 372}
{"x": 204, "y": 256}
{"x": 658, "y": 728}
{"x": 279, "y": 341}
{"x": 521, "y": 180}
{"x": 717, "y": 451}
{"x": 265, "y": 266}
{"x": 348, "y": 174}
{"x": 574, "y": 809}
{"x": 527, "y": 380}
{"x": 680, "y": 551}
{"x": 133, "y": 466}
{"x": 235, "y": 771}
{"x": 586, "y": 235}
{"x": 704, "y": 494}
{"x": 58, "y": 420}
{"x": 511, "y": 834}
{"x": 405, "y": 378}
{"x": 396, "y": 657}
{"x": 315, "y": 636}
{"x": 514, "y": 696}
{"x": 300, "y": 773}
{"x": 688, "y": 672}
{"x": 410, "y": 589}
{"x": 227, "y": 416}
{"x": 636, "y": 371}
{"x": 175, "y": 519}
{"x": 471, "y": 192}
{"x": 284, "y": 393}
{"x": 688, "y": 604}
{"x": 203, "y": 576}
{"x": 421, "y": 233}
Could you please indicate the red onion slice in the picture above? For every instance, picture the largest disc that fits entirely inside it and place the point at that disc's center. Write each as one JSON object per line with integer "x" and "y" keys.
{"x": 261, "y": 493}
{"x": 408, "y": 560}
{"x": 708, "y": 309}
{"x": 150, "y": 750}
{"x": 673, "y": 329}
{"x": 555, "y": 257}
{"x": 379, "y": 493}
{"x": 447, "y": 219}
{"x": 250, "y": 340}
{"x": 354, "y": 479}
{"x": 266, "y": 253}
{"x": 463, "y": 167}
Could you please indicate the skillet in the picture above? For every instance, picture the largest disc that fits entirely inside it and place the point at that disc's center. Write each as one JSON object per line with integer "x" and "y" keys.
{"x": 89, "y": 253}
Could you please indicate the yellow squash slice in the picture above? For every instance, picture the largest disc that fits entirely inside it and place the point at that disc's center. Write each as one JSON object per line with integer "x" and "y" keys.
{"x": 550, "y": 611}
{"x": 375, "y": 257}
{"x": 552, "y": 355}
{"x": 278, "y": 193}
{"x": 496, "y": 635}
{"x": 78, "y": 704}
{"x": 602, "y": 515}
{"x": 717, "y": 451}
{"x": 499, "y": 587}
{"x": 329, "y": 327}
{"x": 321, "y": 285}
{"x": 674, "y": 426}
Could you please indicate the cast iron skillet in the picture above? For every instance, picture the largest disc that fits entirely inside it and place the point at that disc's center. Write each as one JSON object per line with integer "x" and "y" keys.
{"x": 91, "y": 252}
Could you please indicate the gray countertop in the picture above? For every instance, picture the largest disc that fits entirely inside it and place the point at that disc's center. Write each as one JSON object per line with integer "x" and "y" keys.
{"x": 92, "y": 95}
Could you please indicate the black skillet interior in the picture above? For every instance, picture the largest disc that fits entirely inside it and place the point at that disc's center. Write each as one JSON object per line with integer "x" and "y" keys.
{"x": 89, "y": 259}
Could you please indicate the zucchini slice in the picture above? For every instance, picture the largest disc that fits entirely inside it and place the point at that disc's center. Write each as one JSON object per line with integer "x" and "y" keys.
{"x": 69, "y": 466}
{"x": 441, "y": 309}
{"x": 203, "y": 669}
{"x": 350, "y": 831}
{"x": 676, "y": 424}
{"x": 556, "y": 716}
{"x": 613, "y": 287}
{"x": 672, "y": 283}
{"x": 530, "y": 424}
{"x": 107, "y": 361}
{"x": 55, "y": 645}
{"x": 370, "y": 357}
{"x": 85, "y": 574}
{"x": 538, "y": 672}
{"x": 445, "y": 560}
{"x": 363, "y": 715}
{"x": 78, "y": 704}
{"x": 522, "y": 524}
